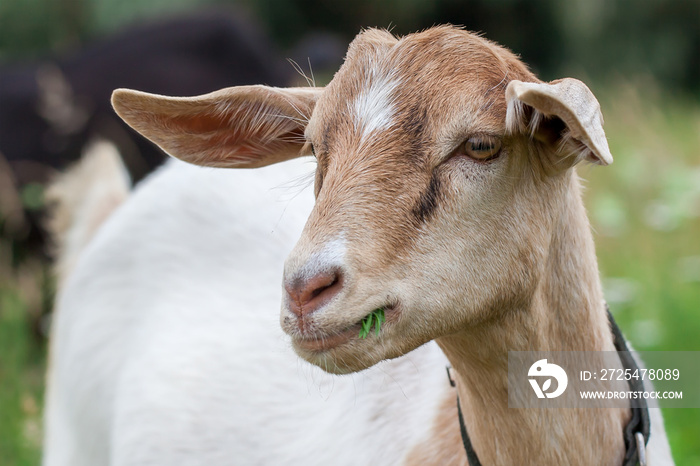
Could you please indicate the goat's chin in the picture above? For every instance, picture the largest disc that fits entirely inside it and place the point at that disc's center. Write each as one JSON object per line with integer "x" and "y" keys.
{"x": 355, "y": 355}
{"x": 351, "y": 357}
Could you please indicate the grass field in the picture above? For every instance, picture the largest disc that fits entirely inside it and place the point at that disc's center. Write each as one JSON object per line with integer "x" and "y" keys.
{"x": 645, "y": 210}
{"x": 22, "y": 362}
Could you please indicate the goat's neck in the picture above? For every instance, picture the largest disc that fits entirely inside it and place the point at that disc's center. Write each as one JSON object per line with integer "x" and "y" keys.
{"x": 565, "y": 313}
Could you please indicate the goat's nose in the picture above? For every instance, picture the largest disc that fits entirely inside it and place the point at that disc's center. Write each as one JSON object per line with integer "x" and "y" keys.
{"x": 308, "y": 294}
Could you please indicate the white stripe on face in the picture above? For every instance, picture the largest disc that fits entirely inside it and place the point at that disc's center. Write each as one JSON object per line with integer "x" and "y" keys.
{"x": 373, "y": 106}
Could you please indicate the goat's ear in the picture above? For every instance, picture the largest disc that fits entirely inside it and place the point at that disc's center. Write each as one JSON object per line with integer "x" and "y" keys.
{"x": 564, "y": 112}
{"x": 238, "y": 127}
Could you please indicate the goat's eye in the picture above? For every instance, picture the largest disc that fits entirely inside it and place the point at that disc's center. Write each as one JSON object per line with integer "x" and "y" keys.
{"x": 481, "y": 147}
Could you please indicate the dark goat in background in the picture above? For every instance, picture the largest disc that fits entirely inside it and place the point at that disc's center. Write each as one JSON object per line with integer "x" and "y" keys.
{"x": 49, "y": 110}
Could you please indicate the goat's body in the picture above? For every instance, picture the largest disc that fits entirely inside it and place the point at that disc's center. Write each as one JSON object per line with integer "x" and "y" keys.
{"x": 167, "y": 347}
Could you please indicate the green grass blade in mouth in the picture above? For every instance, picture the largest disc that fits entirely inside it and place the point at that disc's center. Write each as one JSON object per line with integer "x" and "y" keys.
{"x": 375, "y": 318}
{"x": 380, "y": 319}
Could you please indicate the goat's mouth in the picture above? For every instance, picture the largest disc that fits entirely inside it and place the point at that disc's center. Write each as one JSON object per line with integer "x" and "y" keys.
{"x": 324, "y": 342}
{"x": 370, "y": 326}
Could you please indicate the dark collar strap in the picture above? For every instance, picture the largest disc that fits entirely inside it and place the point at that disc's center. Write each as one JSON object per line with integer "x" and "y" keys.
{"x": 471, "y": 454}
{"x": 636, "y": 430}
{"x": 639, "y": 423}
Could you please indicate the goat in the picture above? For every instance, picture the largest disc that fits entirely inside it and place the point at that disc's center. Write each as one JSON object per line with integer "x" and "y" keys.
{"x": 446, "y": 195}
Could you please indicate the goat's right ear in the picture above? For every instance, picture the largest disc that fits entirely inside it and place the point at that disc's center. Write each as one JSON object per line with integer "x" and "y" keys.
{"x": 564, "y": 113}
{"x": 238, "y": 127}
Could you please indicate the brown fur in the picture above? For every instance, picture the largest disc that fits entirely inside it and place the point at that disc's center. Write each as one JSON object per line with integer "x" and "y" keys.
{"x": 471, "y": 71}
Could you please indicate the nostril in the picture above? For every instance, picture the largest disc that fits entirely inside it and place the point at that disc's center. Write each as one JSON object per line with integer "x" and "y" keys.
{"x": 308, "y": 294}
{"x": 318, "y": 285}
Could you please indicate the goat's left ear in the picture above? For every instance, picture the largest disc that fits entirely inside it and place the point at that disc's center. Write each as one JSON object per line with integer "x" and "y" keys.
{"x": 564, "y": 112}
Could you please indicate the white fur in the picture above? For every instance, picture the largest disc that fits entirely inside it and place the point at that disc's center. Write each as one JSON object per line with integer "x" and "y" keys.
{"x": 167, "y": 348}
{"x": 83, "y": 198}
{"x": 331, "y": 256}
{"x": 373, "y": 107}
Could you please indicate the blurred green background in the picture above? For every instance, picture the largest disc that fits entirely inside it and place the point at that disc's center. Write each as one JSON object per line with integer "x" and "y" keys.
{"x": 640, "y": 57}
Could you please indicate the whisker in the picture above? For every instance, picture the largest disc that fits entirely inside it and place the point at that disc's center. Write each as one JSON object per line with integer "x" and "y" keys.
{"x": 300, "y": 71}
{"x": 311, "y": 71}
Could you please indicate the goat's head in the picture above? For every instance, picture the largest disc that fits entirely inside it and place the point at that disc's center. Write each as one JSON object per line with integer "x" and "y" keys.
{"x": 442, "y": 162}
